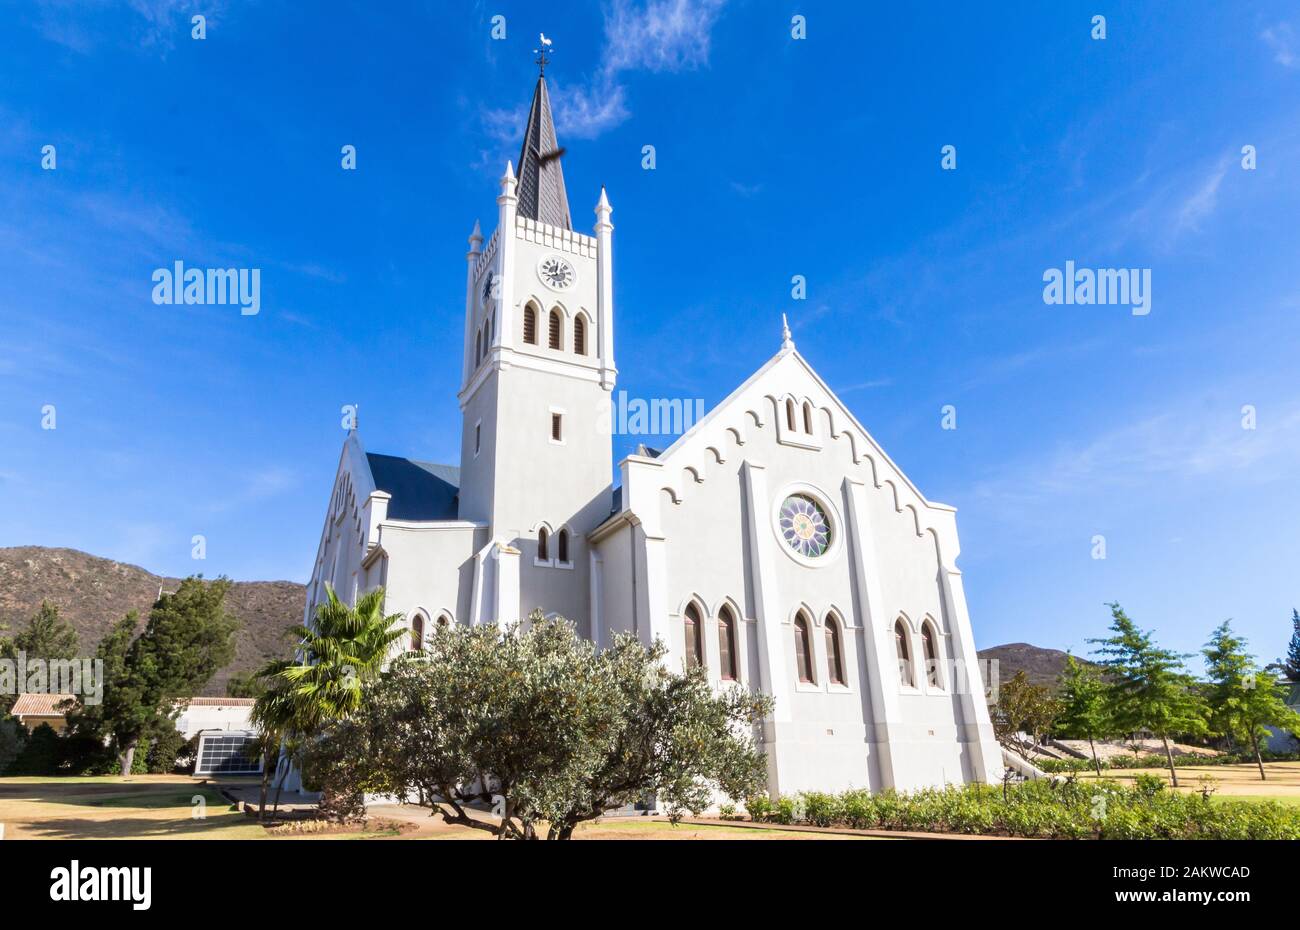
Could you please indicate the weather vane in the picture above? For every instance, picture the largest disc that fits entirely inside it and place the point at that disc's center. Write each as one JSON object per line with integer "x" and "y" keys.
{"x": 541, "y": 50}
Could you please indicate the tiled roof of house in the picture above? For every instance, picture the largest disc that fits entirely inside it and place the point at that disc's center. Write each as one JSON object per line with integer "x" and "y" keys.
{"x": 219, "y": 702}
{"x": 40, "y": 705}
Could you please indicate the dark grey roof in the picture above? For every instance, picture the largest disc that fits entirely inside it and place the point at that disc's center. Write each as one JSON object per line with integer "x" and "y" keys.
{"x": 648, "y": 452}
{"x": 421, "y": 490}
{"x": 618, "y": 499}
{"x": 541, "y": 186}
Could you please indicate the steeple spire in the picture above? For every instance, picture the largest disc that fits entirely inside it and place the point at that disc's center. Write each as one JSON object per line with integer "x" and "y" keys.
{"x": 541, "y": 179}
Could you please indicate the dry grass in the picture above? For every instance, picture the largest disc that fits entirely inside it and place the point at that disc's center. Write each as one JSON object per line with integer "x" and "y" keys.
{"x": 1238, "y": 782}
{"x": 161, "y": 807}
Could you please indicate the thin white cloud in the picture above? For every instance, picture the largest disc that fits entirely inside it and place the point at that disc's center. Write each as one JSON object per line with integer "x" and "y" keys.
{"x": 654, "y": 35}
{"x": 1202, "y": 201}
{"x": 1280, "y": 38}
{"x": 659, "y": 35}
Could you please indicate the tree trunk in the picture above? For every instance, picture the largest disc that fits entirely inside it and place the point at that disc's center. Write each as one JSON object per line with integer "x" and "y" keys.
{"x": 1096, "y": 764}
{"x": 279, "y": 786}
{"x": 1259, "y": 760}
{"x": 127, "y": 757}
{"x": 266, "y": 780}
{"x": 1169, "y": 756}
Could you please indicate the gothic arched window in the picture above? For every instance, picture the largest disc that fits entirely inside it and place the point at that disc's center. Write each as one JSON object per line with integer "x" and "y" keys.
{"x": 417, "y": 633}
{"x": 802, "y": 649}
{"x": 905, "y": 673}
{"x": 691, "y": 626}
{"x": 789, "y": 415}
{"x": 444, "y": 620}
{"x": 530, "y": 325}
{"x": 727, "y": 643}
{"x": 834, "y": 651}
{"x": 580, "y": 336}
{"x": 478, "y": 347}
{"x": 807, "y": 418}
{"x": 562, "y": 546}
{"x": 931, "y": 654}
{"x": 553, "y": 337}
{"x": 542, "y": 548}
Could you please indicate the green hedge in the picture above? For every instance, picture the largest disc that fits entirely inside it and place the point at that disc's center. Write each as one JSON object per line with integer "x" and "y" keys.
{"x": 1128, "y": 761}
{"x": 1101, "y": 809}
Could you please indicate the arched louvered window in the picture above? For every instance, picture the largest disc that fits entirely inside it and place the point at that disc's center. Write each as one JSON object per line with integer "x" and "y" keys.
{"x": 905, "y": 674}
{"x": 789, "y": 415}
{"x": 417, "y": 633}
{"x": 444, "y": 620}
{"x": 580, "y": 336}
{"x": 553, "y": 337}
{"x": 478, "y": 347}
{"x": 834, "y": 652}
{"x": 691, "y": 626}
{"x": 802, "y": 649}
{"x": 542, "y": 548}
{"x": 727, "y": 643}
{"x": 931, "y": 654}
{"x": 530, "y": 325}
{"x": 807, "y": 418}
{"x": 562, "y": 546}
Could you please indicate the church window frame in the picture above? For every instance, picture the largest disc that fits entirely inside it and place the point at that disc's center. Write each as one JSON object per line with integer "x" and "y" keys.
{"x": 728, "y": 644}
{"x": 416, "y": 643}
{"x": 530, "y": 324}
{"x": 903, "y": 652}
{"x": 557, "y": 416}
{"x": 831, "y": 513}
{"x": 543, "y": 556}
{"x": 563, "y": 548}
{"x": 836, "y": 668}
{"x": 808, "y": 417}
{"x": 693, "y": 636}
{"x": 555, "y": 330}
{"x": 930, "y": 653}
{"x": 580, "y": 327}
{"x": 478, "y": 437}
{"x": 803, "y": 649}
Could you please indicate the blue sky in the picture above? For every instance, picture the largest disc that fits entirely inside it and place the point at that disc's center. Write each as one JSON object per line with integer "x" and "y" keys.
{"x": 775, "y": 157}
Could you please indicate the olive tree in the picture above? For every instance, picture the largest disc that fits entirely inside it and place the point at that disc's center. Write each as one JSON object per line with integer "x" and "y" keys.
{"x": 543, "y": 730}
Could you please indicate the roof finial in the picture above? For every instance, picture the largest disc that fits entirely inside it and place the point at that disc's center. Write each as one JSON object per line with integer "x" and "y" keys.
{"x": 786, "y": 342}
{"x": 542, "y": 58}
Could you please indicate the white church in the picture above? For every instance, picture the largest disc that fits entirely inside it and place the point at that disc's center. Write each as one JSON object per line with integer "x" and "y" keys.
{"x": 774, "y": 543}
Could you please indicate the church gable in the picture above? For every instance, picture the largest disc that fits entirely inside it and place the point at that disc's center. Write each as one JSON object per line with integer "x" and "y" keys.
{"x": 787, "y": 396}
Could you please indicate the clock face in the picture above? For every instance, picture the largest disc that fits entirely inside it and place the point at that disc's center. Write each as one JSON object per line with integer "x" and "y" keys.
{"x": 487, "y": 286}
{"x": 556, "y": 273}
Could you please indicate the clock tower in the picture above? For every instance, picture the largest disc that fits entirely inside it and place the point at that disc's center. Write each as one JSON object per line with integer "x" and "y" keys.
{"x": 538, "y": 372}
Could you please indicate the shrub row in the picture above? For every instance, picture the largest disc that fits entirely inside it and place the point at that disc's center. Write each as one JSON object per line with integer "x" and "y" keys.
{"x": 1100, "y": 809}
{"x": 1063, "y": 766}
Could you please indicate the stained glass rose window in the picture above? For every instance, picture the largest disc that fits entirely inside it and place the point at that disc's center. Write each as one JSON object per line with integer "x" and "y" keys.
{"x": 804, "y": 526}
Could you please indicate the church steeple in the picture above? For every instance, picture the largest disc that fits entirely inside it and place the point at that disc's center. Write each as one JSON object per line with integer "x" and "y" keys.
{"x": 541, "y": 179}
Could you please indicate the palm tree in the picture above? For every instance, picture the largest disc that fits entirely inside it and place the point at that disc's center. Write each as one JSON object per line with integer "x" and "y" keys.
{"x": 343, "y": 648}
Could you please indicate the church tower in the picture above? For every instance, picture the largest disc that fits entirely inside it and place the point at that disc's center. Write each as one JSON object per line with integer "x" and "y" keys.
{"x": 538, "y": 373}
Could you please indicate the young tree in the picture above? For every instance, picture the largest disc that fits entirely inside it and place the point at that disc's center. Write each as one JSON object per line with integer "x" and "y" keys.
{"x": 542, "y": 727}
{"x": 1243, "y": 698}
{"x": 1023, "y": 707}
{"x": 343, "y": 648}
{"x": 1148, "y": 687}
{"x": 188, "y": 638}
{"x": 1290, "y": 666}
{"x": 47, "y": 636}
{"x": 1085, "y": 711}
